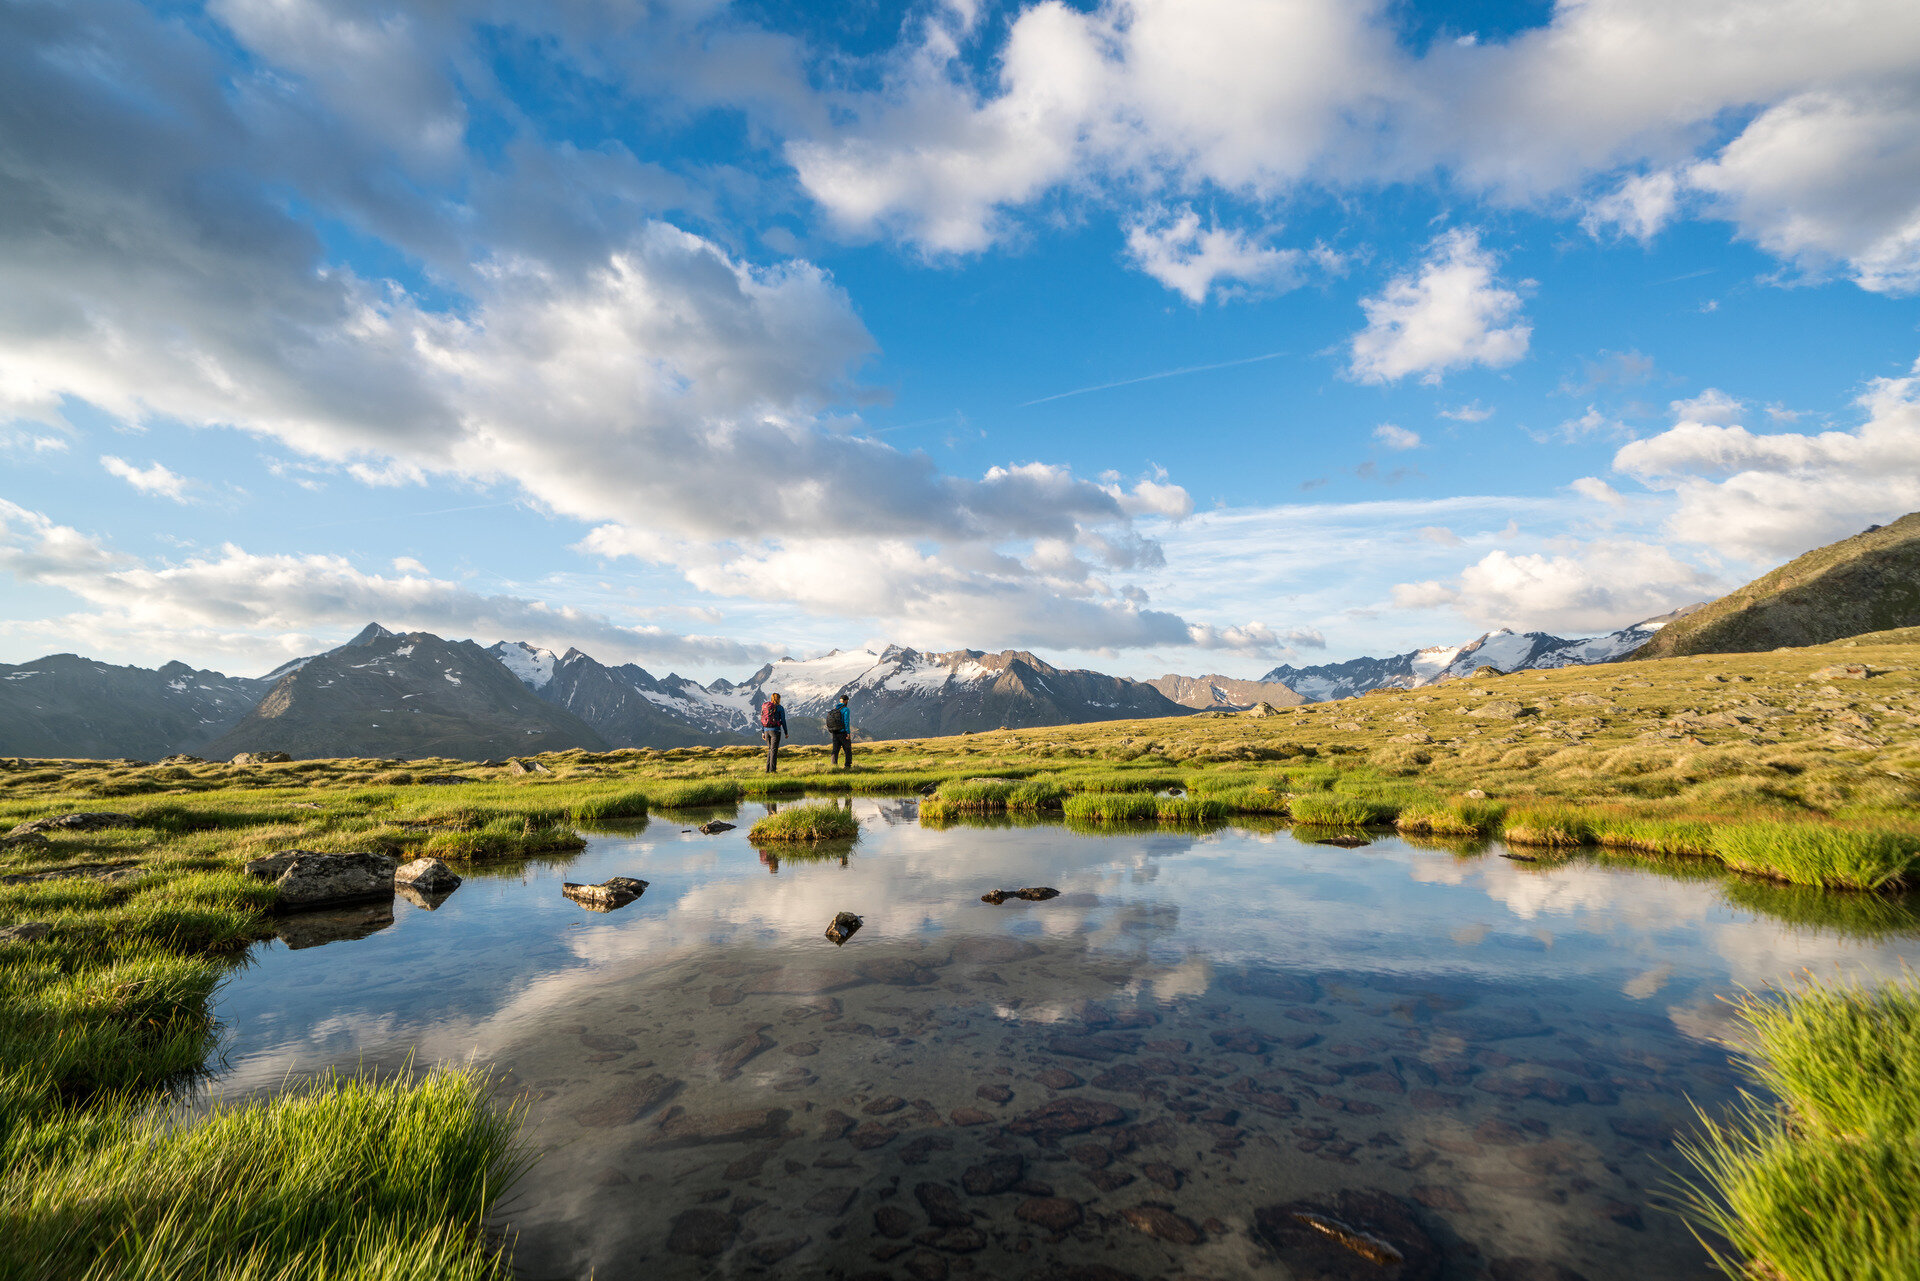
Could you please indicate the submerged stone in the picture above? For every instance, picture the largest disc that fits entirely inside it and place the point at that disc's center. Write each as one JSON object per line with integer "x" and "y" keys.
{"x": 843, "y": 928}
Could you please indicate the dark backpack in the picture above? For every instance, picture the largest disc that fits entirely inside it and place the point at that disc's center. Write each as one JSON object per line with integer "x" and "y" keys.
{"x": 769, "y": 715}
{"x": 837, "y": 720}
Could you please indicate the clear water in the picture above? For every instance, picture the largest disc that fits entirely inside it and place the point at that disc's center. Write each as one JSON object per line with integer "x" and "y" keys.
{"x": 1477, "y": 1061}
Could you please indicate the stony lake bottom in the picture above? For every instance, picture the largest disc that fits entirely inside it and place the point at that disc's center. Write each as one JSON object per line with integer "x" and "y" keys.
{"x": 1222, "y": 1053}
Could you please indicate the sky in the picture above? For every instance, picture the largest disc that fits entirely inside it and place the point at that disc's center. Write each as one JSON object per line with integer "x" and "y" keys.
{"x": 1165, "y": 336}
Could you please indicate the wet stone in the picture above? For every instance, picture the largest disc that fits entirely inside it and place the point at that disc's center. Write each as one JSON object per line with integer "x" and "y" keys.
{"x": 955, "y": 1240}
{"x": 1055, "y": 1214}
{"x": 724, "y": 1127}
{"x": 1436, "y": 1197}
{"x": 968, "y": 1116}
{"x": 842, "y": 928}
{"x": 1108, "y": 1180}
{"x": 1162, "y": 1224}
{"x": 995, "y": 1175}
{"x": 1351, "y": 1235}
{"x": 1097, "y": 1048}
{"x": 614, "y": 892}
{"x": 606, "y": 1042}
{"x": 883, "y": 1106}
{"x": 994, "y": 1093}
{"x": 723, "y": 994}
{"x": 767, "y": 1253}
{"x": 871, "y": 1135}
{"x": 1057, "y": 1079}
{"x": 924, "y": 1265}
{"x": 729, "y": 1058}
{"x": 702, "y": 1232}
{"x": 1067, "y": 1116}
{"x": 802, "y": 1049}
{"x": 892, "y": 1221}
{"x": 1163, "y": 1174}
{"x": 830, "y": 1202}
{"x": 897, "y": 972}
{"x": 942, "y": 1205}
{"x": 1241, "y": 1041}
{"x": 1532, "y": 1270}
{"x": 627, "y": 1103}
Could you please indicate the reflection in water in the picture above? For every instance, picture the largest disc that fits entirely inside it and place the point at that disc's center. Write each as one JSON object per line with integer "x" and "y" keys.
{"x": 1206, "y": 1044}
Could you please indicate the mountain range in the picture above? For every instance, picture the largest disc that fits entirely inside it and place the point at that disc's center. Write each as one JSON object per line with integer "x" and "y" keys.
{"x": 387, "y": 694}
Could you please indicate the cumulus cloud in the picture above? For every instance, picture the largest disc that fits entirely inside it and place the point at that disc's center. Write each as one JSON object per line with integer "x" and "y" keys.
{"x": 1595, "y": 587}
{"x": 1394, "y": 437}
{"x": 1639, "y": 207}
{"x": 1768, "y": 496}
{"x": 1452, "y": 314}
{"x": 1829, "y": 177}
{"x": 268, "y": 608}
{"x": 152, "y": 479}
{"x": 1175, "y": 249}
{"x": 643, "y": 380}
{"x": 1625, "y": 95}
{"x": 1710, "y": 406}
{"x": 1592, "y": 487}
{"x": 1474, "y": 413}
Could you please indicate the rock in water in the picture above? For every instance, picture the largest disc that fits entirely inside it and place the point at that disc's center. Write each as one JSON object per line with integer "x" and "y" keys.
{"x": 428, "y": 875}
{"x": 995, "y": 897}
{"x": 1344, "y": 842}
{"x": 715, "y": 827}
{"x": 1354, "y": 1232}
{"x": 615, "y": 891}
{"x": 843, "y": 927}
{"x": 309, "y": 879}
{"x": 1039, "y": 893}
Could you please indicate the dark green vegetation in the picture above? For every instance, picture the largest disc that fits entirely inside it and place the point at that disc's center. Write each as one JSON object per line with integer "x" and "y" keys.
{"x": 1867, "y": 583}
{"x": 1825, "y": 1184}
{"x": 1750, "y": 761}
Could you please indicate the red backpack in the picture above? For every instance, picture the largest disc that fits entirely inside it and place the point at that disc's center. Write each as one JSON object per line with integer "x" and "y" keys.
{"x": 767, "y": 718}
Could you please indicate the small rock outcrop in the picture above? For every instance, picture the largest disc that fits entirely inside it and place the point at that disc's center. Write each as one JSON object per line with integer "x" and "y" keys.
{"x": 715, "y": 827}
{"x": 309, "y": 879}
{"x": 1842, "y": 672}
{"x": 518, "y": 767}
{"x": 427, "y": 875}
{"x": 91, "y": 821}
{"x": 1032, "y": 894}
{"x": 260, "y": 758}
{"x": 843, "y": 927}
{"x": 614, "y": 892}
{"x": 26, "y": 932}
{"x": 181, "y": 758}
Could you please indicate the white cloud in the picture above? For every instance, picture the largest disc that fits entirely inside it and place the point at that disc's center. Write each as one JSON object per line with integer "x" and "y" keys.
{"x": 1393, "y": 437}
{"x": 1592, "y": 487}
{"x": 1710, "y": 406}
{"x": 153, "y": 479}
{"x": 1768, "y": 496}
{"x": 1441, "y": 535}
{"x": 1474, "y": 413}
{"x": 1594, "y": 587}
{"x": 256, "y": 607}
{"x": 1172, "y": 247}
{"x": 1829, "y": 177}
{"x": 408, "y": 565}
{"x": 1592, "y": 423}
{"x": 1451, "y": 315}
{"x": 1639, "y": 207}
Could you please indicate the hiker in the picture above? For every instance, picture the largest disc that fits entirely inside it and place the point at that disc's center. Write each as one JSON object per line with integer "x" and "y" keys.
{"x": 773, "y": 727}
{"x": 840, "y": 725}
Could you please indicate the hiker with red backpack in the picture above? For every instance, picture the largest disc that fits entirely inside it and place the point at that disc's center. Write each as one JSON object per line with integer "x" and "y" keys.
{"x": 773, "y": 727}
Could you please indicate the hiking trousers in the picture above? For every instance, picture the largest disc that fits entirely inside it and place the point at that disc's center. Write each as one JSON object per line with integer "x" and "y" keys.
{"x": 842, "y": 743}
{"x": 772, "y": 737}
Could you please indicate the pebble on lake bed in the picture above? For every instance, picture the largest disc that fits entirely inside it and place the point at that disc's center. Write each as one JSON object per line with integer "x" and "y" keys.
{"x": 615, "y": 891}
{"x": 843, "y": 927}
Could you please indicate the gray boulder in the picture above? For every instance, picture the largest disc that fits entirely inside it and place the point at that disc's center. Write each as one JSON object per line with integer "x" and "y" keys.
{"x": 24, "y": 933}
{"x": 308, "y": 879}
{"x": 261, "y": 758}
{"x": 91, "y": 821}
{"x": 428, "y": 875}
{"x": 527, "y": 767}
{"x": 615, "y": 891}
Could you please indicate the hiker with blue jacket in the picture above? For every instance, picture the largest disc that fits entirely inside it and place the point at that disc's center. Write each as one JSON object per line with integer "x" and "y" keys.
{"x": 840, "y": 725}
{"x": 773, "y": 728}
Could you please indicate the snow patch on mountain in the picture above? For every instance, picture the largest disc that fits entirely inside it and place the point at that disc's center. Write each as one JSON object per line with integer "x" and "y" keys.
{"x": 533, "y": 665}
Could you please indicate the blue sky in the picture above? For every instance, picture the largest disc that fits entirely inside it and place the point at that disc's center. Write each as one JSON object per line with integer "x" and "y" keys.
{"x": 1168, "y": 336}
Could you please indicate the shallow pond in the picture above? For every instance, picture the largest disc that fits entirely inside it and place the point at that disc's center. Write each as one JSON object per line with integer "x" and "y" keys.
{"x": 1216, "y": 1054}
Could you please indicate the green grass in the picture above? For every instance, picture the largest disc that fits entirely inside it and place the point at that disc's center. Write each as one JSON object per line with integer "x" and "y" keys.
{"x": 1825, "y": 1184}
{"x": 1551, "y": 825}
{"x": 1125, "y": 807}
{"x": 806, "y": 823}
{"x": 694, "y": 795}
{"x": 1815, "y": 854}
{"x": 503, "y": 838}
{"x": 1458, "y": 816}
{"x": 993, "y": 796}
{"x": 343, "y": 1178}
{"x": 1333, "y": 809}
{"x": 631, "y": 803}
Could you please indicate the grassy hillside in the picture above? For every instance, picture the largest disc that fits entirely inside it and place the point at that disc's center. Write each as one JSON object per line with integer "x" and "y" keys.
{"x": 1867, "y": 583}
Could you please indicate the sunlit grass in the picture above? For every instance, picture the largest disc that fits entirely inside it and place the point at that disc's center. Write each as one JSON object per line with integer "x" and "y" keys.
{"x": 806, "y": 823}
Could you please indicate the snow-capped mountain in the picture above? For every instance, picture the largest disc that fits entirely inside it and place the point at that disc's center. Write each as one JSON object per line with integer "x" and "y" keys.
{"x": 65, "y": 705}
{"x": 1225, "y": 693}
{"x": 895, "y": 693}
{"x": 1508, "y": 650}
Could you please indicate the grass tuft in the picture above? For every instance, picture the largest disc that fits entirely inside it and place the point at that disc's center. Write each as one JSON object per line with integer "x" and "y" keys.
{"x": 806, "y": 823}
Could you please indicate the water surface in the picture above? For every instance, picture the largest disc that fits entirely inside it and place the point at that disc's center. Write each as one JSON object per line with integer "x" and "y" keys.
{"x": 1476, "y": 1060}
